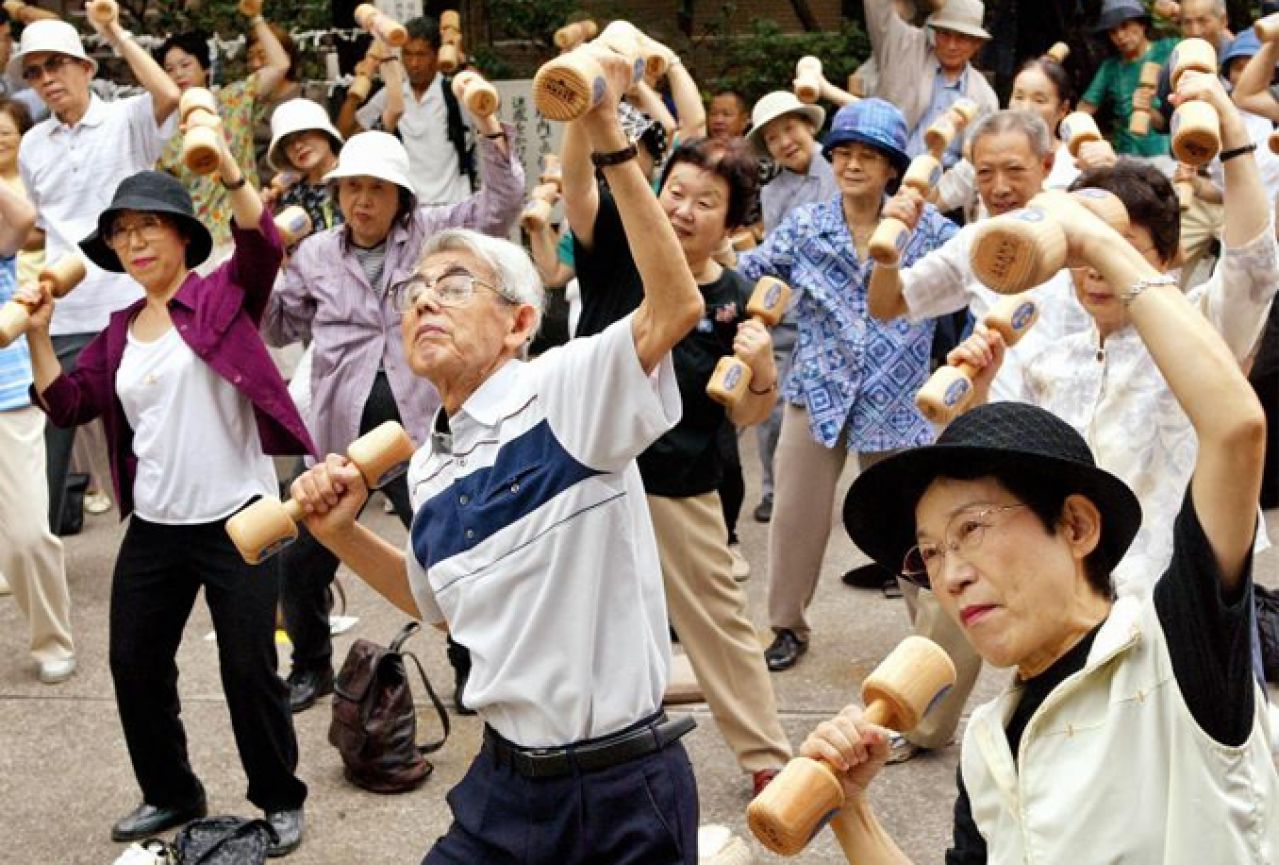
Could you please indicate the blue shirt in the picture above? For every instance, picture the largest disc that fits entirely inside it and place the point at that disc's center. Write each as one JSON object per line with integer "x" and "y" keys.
{"x": 945, "y": 94}
{"x": 15, "y": 361}
{"x": 849, "y": 370}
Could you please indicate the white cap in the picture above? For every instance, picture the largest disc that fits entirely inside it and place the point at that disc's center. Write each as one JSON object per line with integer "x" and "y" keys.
{"x": 774, "y": 105}
{"x": 45, "y": 35}
{"x": 298, "y": 115}
{"x": 961, "y": 16}
{"x": 374, "y": 154}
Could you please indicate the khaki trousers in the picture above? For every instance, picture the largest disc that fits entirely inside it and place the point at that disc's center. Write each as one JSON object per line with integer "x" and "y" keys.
{"x": 937, "y": 729}
{"x": 708, "y": 610}
{"x": 30, "y": 556}
{"x": 806, "y": 474}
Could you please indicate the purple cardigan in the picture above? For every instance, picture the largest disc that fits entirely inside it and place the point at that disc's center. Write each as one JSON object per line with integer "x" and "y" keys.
{"x": 218, "y": 317}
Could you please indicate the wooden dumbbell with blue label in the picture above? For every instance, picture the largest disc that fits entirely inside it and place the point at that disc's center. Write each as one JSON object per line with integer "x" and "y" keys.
{"x": 732, "y": 376}
{"x": 891, "y": 235}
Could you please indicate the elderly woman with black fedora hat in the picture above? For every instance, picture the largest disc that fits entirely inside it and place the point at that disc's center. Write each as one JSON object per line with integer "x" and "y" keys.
{"x": 1135, "y": 730}
{"x": 194, "y": 409}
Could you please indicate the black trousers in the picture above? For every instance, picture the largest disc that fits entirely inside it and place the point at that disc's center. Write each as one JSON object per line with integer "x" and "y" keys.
{"x": 158, "y": 572}
{"x": 732, "y": 486}
{"x": 58, "y": 441}
{"x": 309, "y": 567}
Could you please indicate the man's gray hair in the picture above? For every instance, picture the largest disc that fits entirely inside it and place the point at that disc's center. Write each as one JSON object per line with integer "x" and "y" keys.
{"x": 1009, "y": 120}
{"x": 516, "y": 275}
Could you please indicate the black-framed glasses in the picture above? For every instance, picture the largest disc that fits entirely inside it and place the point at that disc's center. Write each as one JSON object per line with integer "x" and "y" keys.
{"x": 964, "y": 533}
{"x": 149, "y": 228}
{"x": 50, "y": 67}
{"x": 451, "y": 288}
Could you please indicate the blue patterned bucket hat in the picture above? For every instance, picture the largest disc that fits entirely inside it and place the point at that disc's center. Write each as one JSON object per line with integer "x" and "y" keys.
{"x": 872, "y": 122}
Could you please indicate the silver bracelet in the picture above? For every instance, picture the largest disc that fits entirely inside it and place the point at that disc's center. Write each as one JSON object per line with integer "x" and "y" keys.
{"x": 1135, "y": 290}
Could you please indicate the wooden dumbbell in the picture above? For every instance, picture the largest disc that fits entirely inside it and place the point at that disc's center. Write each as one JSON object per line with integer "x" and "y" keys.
{"x": 449, "y": 57}
{"x": 202, "y": 130}
{"x": 250, "y": 8}
{"x": 381, "y": 25}
{"x": 103, "y": 11}
{"x": 943, "y": 130}
{"x": 264, "y": 527}
{"x": 538, "y": 210}
{"x": 552, "y": 171}
{"x": 806, "y": 794}
{"x": 294, "y": 224}
{"x": 283, "y": 181}
{"x": 450, "y": 19}
{"x": 1077, "y": 129}
{"x": 1195, "y": 128}
{"x": 891, "y": 235}
{"x": 1169, "y": 9}
{"x": 568, "y": 86}
{"x": 572, "y": 35}
{"x": 1267, "y": 29}
{"x": 742, "y": 240}
{"x": 1191, "y": 55}
{"x": 1058, "y": 52}
{"x": 59, "y": 278}
{"x": 857, "y": 86}
{"x": 732, "y": 376}
{"x": 948, "y": 391}
{"x": 808, "y": 79}
{"x": 479, "y": 97}
{"x": 1139, "y": 122}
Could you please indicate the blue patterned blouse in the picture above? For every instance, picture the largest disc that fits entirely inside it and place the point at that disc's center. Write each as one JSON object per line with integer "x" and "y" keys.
{"x": 850, "y": 370}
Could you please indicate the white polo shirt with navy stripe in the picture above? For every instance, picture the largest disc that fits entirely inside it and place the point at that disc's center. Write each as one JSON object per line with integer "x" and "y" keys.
{"x": 532, "y": 540}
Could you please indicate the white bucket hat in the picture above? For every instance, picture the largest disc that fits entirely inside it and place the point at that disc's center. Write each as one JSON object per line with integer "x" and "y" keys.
{"x": 374, "y": 154}
{"x": 57, "y": 36}
{"x": 773, "y": 106}
{"x": 961, "y": 16}
{"x": 298, "y": 115}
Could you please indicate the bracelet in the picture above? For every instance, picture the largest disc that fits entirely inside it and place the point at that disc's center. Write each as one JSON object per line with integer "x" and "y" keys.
{"x": 1227, "y": 155}
{"x": 235, "y": 184}
{"x": 1135, "y": 290}
{"x": 617, "y": 157}
{"x": 494, "y": 136}
{"x": 772, "y": 387}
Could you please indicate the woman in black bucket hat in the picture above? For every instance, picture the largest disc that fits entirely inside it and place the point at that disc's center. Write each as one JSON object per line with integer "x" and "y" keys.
{"x": 193, "y": 408}
{"x": 1134, "y": 730}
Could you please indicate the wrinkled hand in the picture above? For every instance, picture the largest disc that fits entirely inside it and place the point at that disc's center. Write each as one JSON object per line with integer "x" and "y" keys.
{"x": 907, "y": 206}
{"x": 1141, "y": 98}
{"x": 856, "y": 749}
{"x": 755, "y": 347}
{"x": 1208, "y": 88}
{"x": 619, "y": 75}
{"x": 984, "y": 351}
{"x": 38, "y": 300}
{"x": 1095, "y": 154}
{"x": 331, "y": 494}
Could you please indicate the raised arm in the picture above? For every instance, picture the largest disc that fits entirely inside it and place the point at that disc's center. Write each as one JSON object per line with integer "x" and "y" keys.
{"x": 17, "y": 219}
{"x": 391, "y": 69}
{"x": 497, "y": 204}
{"x": 672, "y": 304}
{"x": 1252, "y": 93}
{"x": 581, "y": 194}
{"x": 272, "y": 74}
{"x": 149, "y": 73}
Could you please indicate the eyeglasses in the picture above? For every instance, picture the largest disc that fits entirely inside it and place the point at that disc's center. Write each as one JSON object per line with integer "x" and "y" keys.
{"x": 50, "y": 67}
{"x": 149, "y": 228}
{"x": 452, "y": 288}
{"x": 964, "y": 533}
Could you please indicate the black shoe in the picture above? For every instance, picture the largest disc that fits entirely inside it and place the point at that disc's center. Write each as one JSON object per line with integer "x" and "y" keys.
{"x": 460, "y": 659}
{"x": 307, "y": 686}
{"x": 147, "y": 820}
{"x": 764, "y": 510}
{"x": 785, "y": 650}
{"x": 870, "y": 576}
{"x": 288, "y": 831}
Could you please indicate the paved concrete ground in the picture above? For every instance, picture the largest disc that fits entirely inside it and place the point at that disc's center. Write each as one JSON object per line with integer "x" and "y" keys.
{"x": 65, "y": 776}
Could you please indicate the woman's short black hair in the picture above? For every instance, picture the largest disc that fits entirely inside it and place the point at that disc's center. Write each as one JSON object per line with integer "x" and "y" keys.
{"x": 193, "y": 42}
{"x": 1056, "y": 75}
{"x": 19, "y": 113}
{"x": 731, "y": 160}
{"x": 1147, "y": 195}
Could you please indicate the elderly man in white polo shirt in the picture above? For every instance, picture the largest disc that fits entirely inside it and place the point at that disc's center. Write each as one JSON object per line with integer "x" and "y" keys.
{"x": 71, "y": 164}
{"x": 532, "y": 543}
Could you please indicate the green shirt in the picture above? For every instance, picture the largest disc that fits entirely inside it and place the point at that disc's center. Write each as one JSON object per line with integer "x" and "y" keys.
{"x": 1114, "y": 85}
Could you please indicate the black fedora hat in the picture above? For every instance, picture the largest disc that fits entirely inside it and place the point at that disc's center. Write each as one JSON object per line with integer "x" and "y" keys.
{"x": 879, "y": 511}
{"x": 149, "y": 192}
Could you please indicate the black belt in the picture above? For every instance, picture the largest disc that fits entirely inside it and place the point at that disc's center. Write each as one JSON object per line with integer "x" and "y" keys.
{"x": 647, "y": 737}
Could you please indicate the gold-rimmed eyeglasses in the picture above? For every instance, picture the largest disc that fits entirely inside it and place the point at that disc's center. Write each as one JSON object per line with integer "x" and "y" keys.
{"x": 964, "y": 533}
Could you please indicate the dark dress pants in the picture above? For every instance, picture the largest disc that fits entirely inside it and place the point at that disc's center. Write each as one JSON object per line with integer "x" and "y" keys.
{"x": 58, "y": 441}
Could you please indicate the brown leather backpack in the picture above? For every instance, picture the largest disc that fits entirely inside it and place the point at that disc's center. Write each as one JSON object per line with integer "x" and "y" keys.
{"x": 374, "y": 723}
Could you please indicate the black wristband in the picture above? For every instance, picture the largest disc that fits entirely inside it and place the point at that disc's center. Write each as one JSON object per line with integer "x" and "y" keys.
{"x": 234, "y": 185}
{"x": 494, "y": 136}
{"x": 1227, "y": 155}
{"x": 617, "y": 157}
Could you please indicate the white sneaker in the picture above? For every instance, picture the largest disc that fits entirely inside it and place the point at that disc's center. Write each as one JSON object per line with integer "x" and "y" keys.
{"x": 97, "y": 502}
{"x": 5, "y": 588}
{"x": 56, "y": 672}
{"x": 741, "y": 567}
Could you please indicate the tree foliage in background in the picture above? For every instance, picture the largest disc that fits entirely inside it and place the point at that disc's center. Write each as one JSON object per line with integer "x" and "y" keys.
{"x": 764, "y": 59}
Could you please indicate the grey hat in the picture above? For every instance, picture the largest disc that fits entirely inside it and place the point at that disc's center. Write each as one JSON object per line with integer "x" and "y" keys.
{"x": 149, "y": 192}
{"x": 1116, "y": 12}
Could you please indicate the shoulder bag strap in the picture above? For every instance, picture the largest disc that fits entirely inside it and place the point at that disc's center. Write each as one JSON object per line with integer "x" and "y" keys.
{"x": 435, "y": 701}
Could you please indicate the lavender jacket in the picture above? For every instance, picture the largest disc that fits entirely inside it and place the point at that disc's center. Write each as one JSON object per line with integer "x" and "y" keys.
{"x": 325, "y": 297}
{"x": 218, "y": 317}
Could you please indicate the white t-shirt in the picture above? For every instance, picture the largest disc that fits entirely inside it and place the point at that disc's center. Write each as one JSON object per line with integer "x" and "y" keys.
{"x": 71, "y": 174}
{"x": 199, "y": 455}
{"x": 532, "y": 539}
{"x": 424, "y": 129}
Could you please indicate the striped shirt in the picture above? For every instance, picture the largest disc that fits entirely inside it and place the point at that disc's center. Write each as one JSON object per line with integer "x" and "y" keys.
{"x": 532, "y": 539}
{"x": 15, "y": 361}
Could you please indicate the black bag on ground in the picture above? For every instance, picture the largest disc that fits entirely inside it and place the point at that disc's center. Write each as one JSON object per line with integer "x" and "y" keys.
{"x": 374, "y": 723}
{"x": 1268, "y": 626}
{"x": 224, "y": 841}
